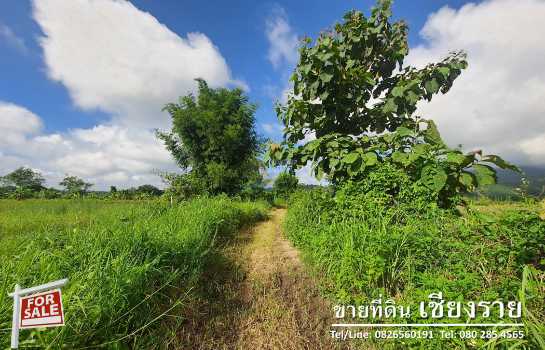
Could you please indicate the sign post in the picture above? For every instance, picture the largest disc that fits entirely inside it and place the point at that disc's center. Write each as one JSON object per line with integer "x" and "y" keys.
{"x": 15, "y": 320}
{"x": 39, "y": 306}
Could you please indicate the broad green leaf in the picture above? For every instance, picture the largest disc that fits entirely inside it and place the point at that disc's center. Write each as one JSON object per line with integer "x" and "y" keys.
{"x": 390, "y": 106}
{"x": 420, "y": 149}
{"x": 355, "y": 167}
{"x": 417, "y": 152}
{"x": 398, "y": 91}
{"x": 400, "y": 157}
{"x": 431, "y": 134}
{"x": 319, "y": 172}
{"x": 485, "y": 174}
{"x": 403, "y": 131}
{"x": 498, "y": 161}
{"x": 467, "y": 179}
{"x": 312, "y": 145}
{"x": 333, "y": 144}
{"x": 469, "y": 159}
{"x": 370, "y": 158}
{"x": 433, "y": 178}
{"x": 456, "y": 158}
{"x": 333, "y": 163}
{"x": 278, "y": 155}
{"x": 445, "y": 71}
{"x": 412, "y": 97}
{"x": 313, "y": 88}
{"x": 369, "y": 79}
{"x": 324, "y": 95}
{"x": 266, "y": 157}
{"x": 326, "y": 77}
{"x": 431, "y": 86}
{"x": 306, "y": 68}
{"x": 389, "y": 137}
{"x": 351, "y": 157}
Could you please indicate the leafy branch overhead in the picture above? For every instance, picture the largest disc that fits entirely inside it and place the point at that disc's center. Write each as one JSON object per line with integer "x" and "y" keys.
{"x": 352, "y": 91}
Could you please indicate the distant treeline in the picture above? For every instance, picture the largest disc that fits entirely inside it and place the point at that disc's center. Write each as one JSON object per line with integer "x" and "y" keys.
{"x": 25, "y": 183}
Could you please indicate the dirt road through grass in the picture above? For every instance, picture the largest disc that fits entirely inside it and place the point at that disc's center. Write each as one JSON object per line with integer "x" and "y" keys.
{"x": 261, "y": 297}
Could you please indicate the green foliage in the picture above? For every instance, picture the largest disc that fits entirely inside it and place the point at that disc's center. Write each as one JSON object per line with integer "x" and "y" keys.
{"x": 365, "y": 246}
{"x": 129, "y": 264}
{"x": 20, "y": 193}
{"x": 74, "y": 185}
{"x": 255, "y": 190}
{"x": 149, "y": 190}
{"x": 25, "y": 179}
{"x": 285, "y": 184}
{"x": 352, "y": 91}
{"x": 185, "y": 186}
{"x": 48, "y": 193}
{"x": 5, "y": 191}
{"x": 213, "y": 139}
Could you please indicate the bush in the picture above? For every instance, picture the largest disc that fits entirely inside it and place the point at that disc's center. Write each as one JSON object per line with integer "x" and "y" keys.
{"x": 285, "y": 184}
{"x": 185, "y": 186}
{"x": 366, "y": 244}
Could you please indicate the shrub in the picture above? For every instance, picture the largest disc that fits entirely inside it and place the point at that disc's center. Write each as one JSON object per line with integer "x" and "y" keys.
{"x": 284, "y": 184}
{"x": 365, "y": 245}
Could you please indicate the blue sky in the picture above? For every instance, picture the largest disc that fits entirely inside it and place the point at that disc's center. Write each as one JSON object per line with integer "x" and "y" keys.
{"x": 67, "y": 69}
{"x": 237, "y": 28}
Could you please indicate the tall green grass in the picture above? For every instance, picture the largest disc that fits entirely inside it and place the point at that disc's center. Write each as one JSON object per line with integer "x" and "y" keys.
{"x": 365, "y": 249}
{"x": 129, "y": 264}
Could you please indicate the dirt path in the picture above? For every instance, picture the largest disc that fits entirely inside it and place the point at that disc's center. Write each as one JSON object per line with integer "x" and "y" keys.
{"x": 263, "y": 298}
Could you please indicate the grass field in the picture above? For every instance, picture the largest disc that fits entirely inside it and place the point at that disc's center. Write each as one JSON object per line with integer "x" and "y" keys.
{"x": 148, "y": 275}
{"x": 130, "y": 265}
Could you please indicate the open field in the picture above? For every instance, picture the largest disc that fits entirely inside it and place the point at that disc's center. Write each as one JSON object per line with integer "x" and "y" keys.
{"x": 205, "y": 274}
{"x": 129, "y": 264}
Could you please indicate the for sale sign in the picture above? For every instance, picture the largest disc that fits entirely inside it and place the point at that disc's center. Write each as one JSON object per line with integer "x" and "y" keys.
{"x": 38, "y": 306}
{"x": 41, "y": 310}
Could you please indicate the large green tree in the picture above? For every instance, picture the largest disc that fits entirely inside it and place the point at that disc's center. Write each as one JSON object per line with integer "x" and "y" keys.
{"x": 213, "y": 139}
{"x": 149, "y": 190}
{"x": 24, "y": 179}
{"x": 352, "y": 91}
{"x": 75, "y": 185}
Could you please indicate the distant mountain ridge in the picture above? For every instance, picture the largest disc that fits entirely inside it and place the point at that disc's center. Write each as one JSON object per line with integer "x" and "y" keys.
{"x": 534, "y": 174}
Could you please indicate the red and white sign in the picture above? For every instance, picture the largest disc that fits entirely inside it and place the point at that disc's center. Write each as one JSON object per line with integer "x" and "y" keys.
{"x": 41, "y": 310}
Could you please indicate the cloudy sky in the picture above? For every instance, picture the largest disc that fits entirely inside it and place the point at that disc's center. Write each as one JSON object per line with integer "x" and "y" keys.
{"x": 83, "y": 81}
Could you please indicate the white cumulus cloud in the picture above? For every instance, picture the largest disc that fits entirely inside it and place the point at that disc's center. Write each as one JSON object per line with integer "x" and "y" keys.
{"x": 497, "y": 102}
{"x": 116, "y": 58}
{"x": 104, "y": 155}
{"x": 18, "y": 120}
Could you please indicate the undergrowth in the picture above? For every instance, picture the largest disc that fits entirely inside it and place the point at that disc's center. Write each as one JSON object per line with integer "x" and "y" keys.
{"x": 368, "y": 244}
